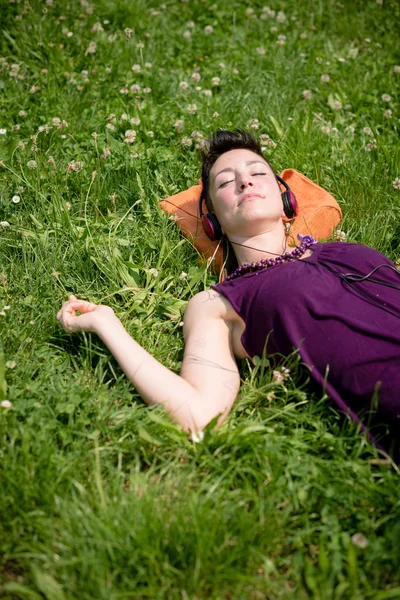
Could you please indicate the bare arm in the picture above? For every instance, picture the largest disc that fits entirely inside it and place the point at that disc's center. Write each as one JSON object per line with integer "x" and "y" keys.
{"x": 209, "y": 379}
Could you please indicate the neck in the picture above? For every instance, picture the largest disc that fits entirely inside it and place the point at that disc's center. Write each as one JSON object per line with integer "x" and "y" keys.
{"x": 267, "y": 244}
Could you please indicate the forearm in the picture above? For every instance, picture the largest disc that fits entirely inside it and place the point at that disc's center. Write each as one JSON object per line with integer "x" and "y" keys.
{"x": 155, "y": 383}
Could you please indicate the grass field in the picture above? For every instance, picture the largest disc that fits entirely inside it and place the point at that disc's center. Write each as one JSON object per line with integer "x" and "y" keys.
{"x": 102, "y": 107}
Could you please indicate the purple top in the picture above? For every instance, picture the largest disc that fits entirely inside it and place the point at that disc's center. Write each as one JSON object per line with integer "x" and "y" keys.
{"x": 304, "y": 305}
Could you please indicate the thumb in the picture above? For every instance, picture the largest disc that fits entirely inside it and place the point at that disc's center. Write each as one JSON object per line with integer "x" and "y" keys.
{"x": 72, "y": 297}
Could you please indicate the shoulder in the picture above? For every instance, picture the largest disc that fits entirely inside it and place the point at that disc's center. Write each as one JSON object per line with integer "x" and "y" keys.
{"x": 209, "y": 303}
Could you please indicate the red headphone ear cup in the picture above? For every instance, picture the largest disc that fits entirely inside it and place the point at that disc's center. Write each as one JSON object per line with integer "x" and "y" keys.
{"x": 290, "y": 206}
{"x": 211, "y": 226}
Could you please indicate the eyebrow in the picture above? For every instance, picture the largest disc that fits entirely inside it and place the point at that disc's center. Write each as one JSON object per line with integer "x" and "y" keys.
{"x": 249, "y": 162}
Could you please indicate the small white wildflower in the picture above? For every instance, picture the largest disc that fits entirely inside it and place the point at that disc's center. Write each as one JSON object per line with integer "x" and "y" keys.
{"x": 135, "y": 121}
{"x": 325, "y": 78}
{"x": 179, "y": 125}
{"x": 192, "y": 109}
{"x": 68, "y": 205}
{"x": 279, "y": 376}
{"x": 396, "y": 183}
{"x": 196, "y": 77}
{"x": 7, "y": 307}
{"x": 208, "y": 29}
{"x": 260, "y": 50}
{"x": 136, "y": 68}
{"x": 16, "y": 199}
{"x": 197, "y": 436}
{"x": 215, "y": 115}
{"x": 3, "y": 131}
{"x": 270, "y": 396}
{"x": 368, "y": 131}
{"x": 91, "y": 49}
{"x": 186, "y": 141}
{"x": 207, "y": 93}
{"x": 359, "y": 540}
{"x": 74, "y": 166}
{"x": 281, "y": 41}
{"x": 396, "y": 69}
{"x": 215, "y": 81}
{"x": 22, "y": 113}
{"x": 183, "y": 85}
{"x": 31, "y": 164}
{"x": 371, "y": 146}
{"x": 6, "y": 404}
{"x": 183, "y": 275}
{"x": 11, "y": 364}
{"x": 135, "y": 88}
{"x": 191, "y": 24}
{"x": 4, "y": 224}
{"x": 153, "y": 272}
{"x": 307, "y": 94}
{"x": 150, "y": 134}
{"x": 281, "y": 17}
{"x": 124, "y": 117}
{"x": 146, "y": 90}
{"x": 254, "y": 123}
{"x": 388, "y": 113}
{"x": 187, "y": 35}
{"x": 340, "y": 236}
{"x": 386, "y": 98}
{"x": 148, "y": 65}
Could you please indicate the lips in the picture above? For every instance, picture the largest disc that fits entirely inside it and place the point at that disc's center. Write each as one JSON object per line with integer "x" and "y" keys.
{"x": 249, "y": 197}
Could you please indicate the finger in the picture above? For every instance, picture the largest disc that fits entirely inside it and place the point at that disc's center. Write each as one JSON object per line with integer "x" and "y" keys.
{"x": 72, "y": 297}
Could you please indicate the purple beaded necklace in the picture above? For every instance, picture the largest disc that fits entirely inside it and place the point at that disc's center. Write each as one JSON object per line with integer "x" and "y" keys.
{"x": 305, "y": 242}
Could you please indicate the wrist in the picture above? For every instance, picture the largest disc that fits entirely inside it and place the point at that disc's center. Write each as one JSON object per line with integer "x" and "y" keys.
{"x": 105, "y": 320}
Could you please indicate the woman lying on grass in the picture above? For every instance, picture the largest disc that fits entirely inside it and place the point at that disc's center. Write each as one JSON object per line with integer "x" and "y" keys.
{"x": 337, "y": 303}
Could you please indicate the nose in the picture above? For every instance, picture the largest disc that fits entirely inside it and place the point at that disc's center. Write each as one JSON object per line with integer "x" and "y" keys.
{"x": 245, "y": 181}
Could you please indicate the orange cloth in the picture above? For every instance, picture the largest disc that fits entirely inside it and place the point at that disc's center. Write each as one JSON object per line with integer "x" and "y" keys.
{"x": 318, "y": 213}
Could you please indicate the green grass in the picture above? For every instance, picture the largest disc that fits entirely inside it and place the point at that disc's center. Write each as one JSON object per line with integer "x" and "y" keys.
{"x": 102, "y": 497}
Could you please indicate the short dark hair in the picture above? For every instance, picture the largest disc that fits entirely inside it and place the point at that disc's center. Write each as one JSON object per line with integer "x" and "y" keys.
{"x": 220, "y": 142}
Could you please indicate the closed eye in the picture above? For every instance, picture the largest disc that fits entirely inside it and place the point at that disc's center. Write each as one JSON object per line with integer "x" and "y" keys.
{"x": 254, "y": 174}
{"x": 225, "y": 183}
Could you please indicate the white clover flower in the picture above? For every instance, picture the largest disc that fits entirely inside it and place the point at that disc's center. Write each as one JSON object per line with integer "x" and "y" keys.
{"x": 396, "y": 69}
{"x": 146, "y": 90}
{"x": 68, "y": 205}
{"x": 260, "y": 50}
{"x": 371, "y": 146}
{"x": 186, "y": 141}
{"x": 208, "y": 29}
{"x": 396, "y": 183}
{"x": 16, "y": 199}
{"x": 196, "y": 77}
{"x": 183, "y": 85}
{"x": 6, "y": 404}
{"x": 388, "y": 113}
{"x": 136, "y": 68}
{"x": 148, "y": 65}
{"x": 3, "y": 131}
{"x": 183, "y": 275}
{"x": 124, "y": 117}
{"x": 22, "y": 113}
{"x": 153, "y": 272}
{"x": 135, "y": 121}
{"x": 281, "y": 17}
{"x": 192, "y": 109}
{"x": 325, "y": 78}
{"x": 187, "y": 35}
{"x": 91, "y": 49}
{"x": 150, "y": 134}
{"x": 368, "y": 131}
{"x": 11, "y": 364}
{"x": 196, "y": 436}
{"x": 307, "y": 94}
{"x": 359, "y": 539}
{"x": 340, "y": 236}
{"x": 31, "y": 164}
{"x": 135, "y": 88}
{"x": 386, "y": 98}
{"x": 179, "y": 125}
{"x": 215, "y": 115}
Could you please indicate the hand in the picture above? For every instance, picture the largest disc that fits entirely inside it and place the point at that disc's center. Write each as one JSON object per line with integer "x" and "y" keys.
{"x": 88, "y": 320}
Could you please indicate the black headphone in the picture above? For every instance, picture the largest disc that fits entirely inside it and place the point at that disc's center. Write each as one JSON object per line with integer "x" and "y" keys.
{"x": 213, "y": 228}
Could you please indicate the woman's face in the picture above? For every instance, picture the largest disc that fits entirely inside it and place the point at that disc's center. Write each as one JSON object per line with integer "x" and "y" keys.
{"x": 245, "y": 193}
